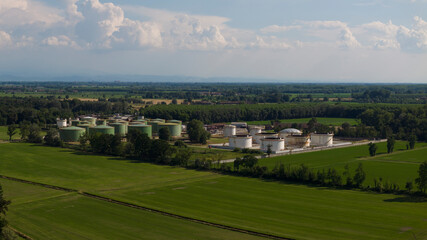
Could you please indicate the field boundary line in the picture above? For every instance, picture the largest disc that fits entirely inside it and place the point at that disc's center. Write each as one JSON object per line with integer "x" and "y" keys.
{"x": 164, "y": 213}
{"x": 21, "y": 234}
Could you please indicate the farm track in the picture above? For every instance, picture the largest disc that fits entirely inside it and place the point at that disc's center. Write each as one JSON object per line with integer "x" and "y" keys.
{"x": 94, "y": 196}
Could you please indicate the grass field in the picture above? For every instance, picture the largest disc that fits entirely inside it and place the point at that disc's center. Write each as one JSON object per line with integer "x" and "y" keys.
{"x": 398, "y": 167}
{"x": 50, "y": 214}
{"x": 288, "y": 210}
{"x": 214, "y": 154}
{"x": 326, "y": 121}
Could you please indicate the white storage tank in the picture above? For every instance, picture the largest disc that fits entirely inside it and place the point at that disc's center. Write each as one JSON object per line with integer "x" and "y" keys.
{"x": 276, "y": 144}
{"x": 255, "y": 130}
{"x": 257, "y": 138}
{"x": 240, "y": 141}
{"x": 288, "y": 132}
{"x": 325, "y": 140}
{"x": 61, "y": 123}
{"x": 229, "y": 130}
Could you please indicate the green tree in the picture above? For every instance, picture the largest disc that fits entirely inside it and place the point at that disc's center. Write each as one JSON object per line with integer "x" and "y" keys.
{"x": 164, "y": 134}
{"x": 237, "y": 164}
{"x": 52, "y": 138}
{"x": 160, "y": 151}
{"x": 372, "y": 149}
{"x": 421, "y": 181}
{"x": 3, "y": 209}
{"x": 34, "y": 134}
{"x": 412, "y": 140}
{"x": 409, "y": 186}
{"x": 390, "y": 144}
{"x": 182, "y": 156}
{"x": 11, "y": 131}
{"x": 249, "y": 161}
{"x": 24, "y": 129}
{"x": 196, "y": 132}
{"x": 359, "y": 176}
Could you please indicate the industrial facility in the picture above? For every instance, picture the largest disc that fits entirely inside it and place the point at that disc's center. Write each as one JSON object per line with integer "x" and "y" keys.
{"x": 70, "y": 130}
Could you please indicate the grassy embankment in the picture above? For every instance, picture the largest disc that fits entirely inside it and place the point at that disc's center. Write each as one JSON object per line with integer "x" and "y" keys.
{"x": 288, "y": 210}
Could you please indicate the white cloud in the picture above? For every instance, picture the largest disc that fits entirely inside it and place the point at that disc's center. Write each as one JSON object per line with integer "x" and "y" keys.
{"x": 269, "y": 43}
{"x": 59, "y": 41}
{"x": 277, "y": 28}
{"x": 413, "y": 39}
{"x": 5, "y": 39}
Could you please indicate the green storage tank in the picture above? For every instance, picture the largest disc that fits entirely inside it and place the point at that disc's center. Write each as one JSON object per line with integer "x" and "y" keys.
{"x": 84, "y": 122}
{"x": 158, "y": 120}
{"x": 112, "y": 120}
{"x": 101, "y": 129}
{"x": 101, "y": 122}
{"x": 147, "y": 129}
{"x": 91, "y": 120}
{"x": 85, "y": 126}
{"x": 174, "y": 128}
{"x": 71, "y": 134}
{"x": 174, "y": 121}
{"x": 75, "y": 123}
{"x": 154, "y": 124}
{"x": 119, "y": 128}
{"x": 143, "y": 121}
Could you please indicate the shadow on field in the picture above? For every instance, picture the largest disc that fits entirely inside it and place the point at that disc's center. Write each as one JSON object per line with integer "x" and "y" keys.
{"x": 413, "y": 199}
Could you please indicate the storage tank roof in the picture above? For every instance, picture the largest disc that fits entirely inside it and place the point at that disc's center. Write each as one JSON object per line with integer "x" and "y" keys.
{"x": 102, "y": 127}
{"x": 291, "y": 130}
{"x": 72, "y": 128}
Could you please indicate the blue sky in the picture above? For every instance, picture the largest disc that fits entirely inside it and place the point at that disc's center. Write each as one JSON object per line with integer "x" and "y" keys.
{"x": 285, "y": 40}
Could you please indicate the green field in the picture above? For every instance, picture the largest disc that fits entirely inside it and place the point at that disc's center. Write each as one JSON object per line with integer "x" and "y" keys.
{"x": 398, "y": 167}
{"x": 288, "y": 210}
{"x": 50, "y": 214}
{"x": 325, "y": 121}
{"x": 214, "y": 154}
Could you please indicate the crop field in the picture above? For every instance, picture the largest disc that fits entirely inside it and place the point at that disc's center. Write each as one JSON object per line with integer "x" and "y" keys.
{"x": 398, "y": 167}
{"x": 325, "y": 121}
{"x": 50, "y": 214}
{"x": 287, "y": 210}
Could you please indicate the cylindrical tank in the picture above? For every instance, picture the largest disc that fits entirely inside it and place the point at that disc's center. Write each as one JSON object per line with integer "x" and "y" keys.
{"x": 289, "y": 132}
{"x": 174, "y": 129}
{"x": 257, "y": 138}
{"x": 158, "y": 120}
{"x": 147, "y": 129}
{"x": 240, "y": 141}
{"x": 61, "y": 123}
{"x": 100, "y": 122}
{"x": 75, "y": 122}
{"x": 91, "y": 120}
{"x": 119, "y": 129}
{"x": 276, "y": 144}
{"x": 71, "y": 134}
{"x": 85, "y": 126}
{"x": 325, "y": 140}
{"x": 229, "y": 130}
{"x": 254, "y": 131}
{"x": 139, "y": 121}
{"x": 101, "y": 129}
{"x": 174, "y": 121}
{"x": 154, "y": 124}
{"x": 112, "y": 120}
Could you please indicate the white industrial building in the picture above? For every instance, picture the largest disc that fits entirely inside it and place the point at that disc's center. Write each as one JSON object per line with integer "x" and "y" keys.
{"x": 276, "y": 144}
{"x": 229, "y": 130}
{"x": 322, "y": 140}
{"x": 240, "y": 141}
{"x": 61, "y": 123}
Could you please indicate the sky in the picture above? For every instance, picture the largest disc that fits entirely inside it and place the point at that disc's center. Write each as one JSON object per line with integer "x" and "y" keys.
{"x": 282, "y": 40}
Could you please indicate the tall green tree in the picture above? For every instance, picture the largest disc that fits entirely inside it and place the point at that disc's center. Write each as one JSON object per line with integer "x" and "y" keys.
{"x": 11, "y": 131}
{"x": 359, "y": 176}
{"x": 390, "y": 144}
{"x": 196, "y": 132}
{"x": 421, "y": 181}
{"x": 164, "y": 134}
{"x": 34, "y": 134}
{"x": 372, "y": 149}
{"x": 412, "y": 140}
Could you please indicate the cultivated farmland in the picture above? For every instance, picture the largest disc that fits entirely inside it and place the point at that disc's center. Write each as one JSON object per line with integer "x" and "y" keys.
{"x": 286, "y": 210}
